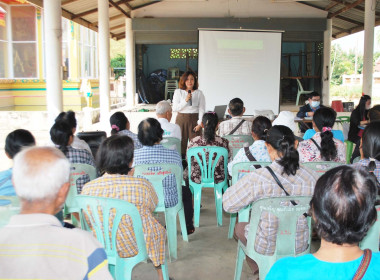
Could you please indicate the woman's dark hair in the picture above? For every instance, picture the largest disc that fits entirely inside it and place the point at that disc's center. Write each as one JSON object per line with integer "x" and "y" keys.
{"x": 150, "y": 132}
{"x": 68, "y": 117}
{"x": 210, "y": 121}
{"x": 374, "y": 113}
{"x": 324, "y": 119}
{"x": 260, "y": 126}
{"x": 60, "y": 134}
{"x": 236, "y": 106}
{"x": 18, "y": 139}
{"x": 115, "y": 155}
{"x": 118, "y": 122}
{"x": 343, "y": 204}
{"x": 182, "y": 80}
{"x": 361, "y": 106}
{"x": 371, "y": 143}
{"x": 282, "y": 139}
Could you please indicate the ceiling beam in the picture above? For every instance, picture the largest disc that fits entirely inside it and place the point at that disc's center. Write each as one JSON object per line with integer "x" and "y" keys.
{"x": 332, "y": 5}
{"x": 354, "y": 30}
{"x": 359, "y": 8}
{"x": 340, "y": 29}
{"x": 117, "y": 26}
{"x": 349, "y": 20}
{"x": 346, "y": 8}
{"x": 86, "y": 13}
{"x": 95, "y": 23}
{"x": 125, "y": 2}
{"x": 146, "y": 4}
{"x": 118, "y": 8}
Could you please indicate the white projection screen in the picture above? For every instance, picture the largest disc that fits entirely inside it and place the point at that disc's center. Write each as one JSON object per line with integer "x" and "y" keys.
{"x": 240, "y": 63}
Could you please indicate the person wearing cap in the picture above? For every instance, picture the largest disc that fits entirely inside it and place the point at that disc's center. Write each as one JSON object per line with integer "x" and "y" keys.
{"x": 309, "y": 109}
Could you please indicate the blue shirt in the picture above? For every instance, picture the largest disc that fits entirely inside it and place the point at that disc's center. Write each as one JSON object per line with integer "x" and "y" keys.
{"x": 309, "y": 267}
{"x": 160, "y": 154}
{"x": 6, "y": 186}
{"x": 337, "y": 134}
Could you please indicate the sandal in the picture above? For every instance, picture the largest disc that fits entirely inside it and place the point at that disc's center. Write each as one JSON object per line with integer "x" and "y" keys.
{"x": 190, "y": 229}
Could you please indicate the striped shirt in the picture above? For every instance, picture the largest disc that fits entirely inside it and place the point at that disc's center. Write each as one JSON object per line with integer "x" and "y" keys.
{"x": 141, "y": 193}
{"x": 133, "y": 136}
{"x": 36, "y": 246}
{"x": 226, "y": 127}
{"x": 261, "y": 184}
{"x": 159, "y": 154}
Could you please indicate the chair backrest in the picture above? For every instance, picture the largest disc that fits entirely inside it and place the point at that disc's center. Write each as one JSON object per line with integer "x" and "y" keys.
{"x": 172, "y": 143}
{"x": 9, "y": 206}
{"x": 77, "y": 171}
{"x": 288, "y": 216}
{"x": 344, "y": 119}
{"x": 207, "y": 167}
{"x": 321, "y": 166}
{"x": 300, "y": 88}
{"x": 371, "y": 240}
{"x": 155, "y": 174}
{"x": 236, "y": 142}
{"x": 95, "y": 209}
{"x": 240, "y": 169}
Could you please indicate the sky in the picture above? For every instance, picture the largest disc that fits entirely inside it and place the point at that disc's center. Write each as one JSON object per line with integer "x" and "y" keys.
{"x": 356, "y": 40}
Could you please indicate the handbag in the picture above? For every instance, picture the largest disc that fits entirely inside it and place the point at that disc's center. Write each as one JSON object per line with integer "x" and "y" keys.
{"x": 360, "y": 272}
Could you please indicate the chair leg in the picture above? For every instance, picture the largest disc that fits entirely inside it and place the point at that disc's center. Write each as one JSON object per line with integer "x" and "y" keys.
{"x": 171, "y": 231}
{"x": 182, "y": 222}
{"x": 239, "y": 262}
{"x": 197, "y": 205}
{"x": 298, "y": 98}
{"x": 218, "y": 205}
{"x": 165, "y": 271}
{"x": 232, "y": 225}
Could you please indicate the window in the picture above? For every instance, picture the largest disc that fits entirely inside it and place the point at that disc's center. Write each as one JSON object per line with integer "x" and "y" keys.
{"x": 3, "y": 44}
{"x": 88, "y": 53}
{"x": 183, "y": 53}
{"x": 65, "y": 48}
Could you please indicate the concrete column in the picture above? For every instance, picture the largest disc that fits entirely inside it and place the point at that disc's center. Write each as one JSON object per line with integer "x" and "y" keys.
{"x": 53, "y": 52}
{"x": 369, "y": 29}
{"x": 130, "y": 70}
{"x": 104, "y": 61}
{"x": 326, "y": 64}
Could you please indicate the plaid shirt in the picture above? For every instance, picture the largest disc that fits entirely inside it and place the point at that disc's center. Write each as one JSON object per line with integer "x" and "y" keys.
{"x": 226, "y": 127}
{"x": 261, "y": 184}
{"x": 80, "y": 156}
{"x": 141, "y": 193}
{"x": 134, "y": 137}
{"x": 363, "y": 164}
{"x": 159, "y": 154}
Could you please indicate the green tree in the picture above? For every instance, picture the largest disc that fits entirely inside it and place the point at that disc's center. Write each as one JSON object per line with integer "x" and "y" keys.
{"x": 118, "y": 62}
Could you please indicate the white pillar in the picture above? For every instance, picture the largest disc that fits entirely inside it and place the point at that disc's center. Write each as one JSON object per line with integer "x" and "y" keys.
{"x": 53, "y": 58}
{"x": 104, "y": 61}
{"x": 369, "y": 28}
{"x": 326, "y": 64}
{"x": 130, "y": 71}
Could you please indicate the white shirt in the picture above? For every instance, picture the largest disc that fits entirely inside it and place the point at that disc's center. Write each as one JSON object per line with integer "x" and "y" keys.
{"x": 198, "y": 103}
{"x": 80, "y": 144}
{"x": 170, "y": 129}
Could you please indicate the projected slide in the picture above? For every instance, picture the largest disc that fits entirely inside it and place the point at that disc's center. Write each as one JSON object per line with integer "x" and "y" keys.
{"x": 243, "y": 64}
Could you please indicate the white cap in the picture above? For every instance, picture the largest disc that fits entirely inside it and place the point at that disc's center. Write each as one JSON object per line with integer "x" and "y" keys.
{"x": 286, "y": 118}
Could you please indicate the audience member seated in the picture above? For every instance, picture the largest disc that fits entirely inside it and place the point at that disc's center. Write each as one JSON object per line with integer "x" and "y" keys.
{"x": 309, "y": 109}
{"x": 15, "y": 141}
{"x": 370, "y": 150}
{"x": 164, "y": 114}
{"x": 236, "y": 125}
{"x": 297, "y": 180}
{"x": 359, "y": 117}
{"x": 120, "y": 125}
{"x": 257, "y": 151}
{"x": 343, "y": 208}
{"x": 374, "y": 113}
{"x": 322, "y": 146}
{"x": 69, "y": 118}
{"x": 62, "y": 136}
{"x": 286, "y": 118}
{"x": 37, "y": 246}
{"x": 114, "y": 159}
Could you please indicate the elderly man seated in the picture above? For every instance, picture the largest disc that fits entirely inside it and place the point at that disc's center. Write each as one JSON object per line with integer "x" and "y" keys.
{"x": 164, "y": 114}
{"x": 34, "y": 245}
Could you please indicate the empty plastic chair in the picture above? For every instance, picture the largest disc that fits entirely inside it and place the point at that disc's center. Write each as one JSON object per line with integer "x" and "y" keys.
{"x": 155, "y": 174}
{"x": 344, "y": 119}
{"x": 301, "y": 91}
{"x": 170, "y": 87}
{"x": 349, "y": 149}
{"x": 91, "y": 207}
{"x": 9, "y": 206}
{"x": 286, "y": 233}
{"x": 172, "y": 143}
{"x": 202, "y": 155}
{"x": 236, "y": 142}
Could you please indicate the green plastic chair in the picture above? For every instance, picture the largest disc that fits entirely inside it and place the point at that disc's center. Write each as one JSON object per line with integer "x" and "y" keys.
{"x": 155, "y": 174}
{"x": 77, "y": 170}
{"x": 90, "y": 206}
{"x": 207, "y": 168}
{"x": 301, "y": 91}
{"x": 321, "y": 166}
{"x": 239, "y": 169}
{"x": 287, "y": 224}
{"x": 172, "y": 143}
{"x": 236, "y": 142}
{"x": 371, "y": 240}
{"x": 9, "y": 206}
{"x": 344, "y": 119}
{"x": 349, "y": 149}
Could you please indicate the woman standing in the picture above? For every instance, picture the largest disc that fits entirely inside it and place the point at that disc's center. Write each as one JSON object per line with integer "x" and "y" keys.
{"x": 189, "y": 102}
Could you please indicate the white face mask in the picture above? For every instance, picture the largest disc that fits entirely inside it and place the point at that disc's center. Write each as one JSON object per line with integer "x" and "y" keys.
{"x": 315, "y": 104}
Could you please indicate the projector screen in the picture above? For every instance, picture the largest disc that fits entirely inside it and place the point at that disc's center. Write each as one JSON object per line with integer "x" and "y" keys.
{"x": 241, "y": 63}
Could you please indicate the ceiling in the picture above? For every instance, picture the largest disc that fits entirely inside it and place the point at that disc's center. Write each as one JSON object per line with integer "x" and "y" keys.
{"x": 347, "y": 16}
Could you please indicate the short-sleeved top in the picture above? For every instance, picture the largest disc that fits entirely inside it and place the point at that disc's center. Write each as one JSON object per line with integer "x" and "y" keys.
{"x": 309, "y": 267}
{"x": 80, "y": 144}
{"x": 225, "y": 127}
{"x": 170, "y": 129}
{"x": 337, "y": 134}
{"x": 308, "y": 151}
{"x": 6, "y": 186}
{"x": 133, "y": 136}
{"x": 363, "y": 163}
{"x": 257, "y": 149}
{"x": 197, "y": 105}
{"x": 37, "y": 246}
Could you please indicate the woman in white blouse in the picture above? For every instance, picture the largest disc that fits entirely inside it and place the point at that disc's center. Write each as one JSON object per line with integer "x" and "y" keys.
{"x": 189, "y": 102}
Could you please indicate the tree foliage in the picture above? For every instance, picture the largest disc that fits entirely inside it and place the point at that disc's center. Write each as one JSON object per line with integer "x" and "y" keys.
{"x": 118, "y": 62}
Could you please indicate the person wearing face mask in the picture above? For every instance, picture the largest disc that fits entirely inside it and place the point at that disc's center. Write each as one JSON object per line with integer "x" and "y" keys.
{"x": 359, "y": 117}
{"x": 308, "y": 110}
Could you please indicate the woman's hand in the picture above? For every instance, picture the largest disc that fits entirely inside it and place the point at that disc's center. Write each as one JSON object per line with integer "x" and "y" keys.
{"x": 197, "y": 128}
{"x": 188, "y": 97}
